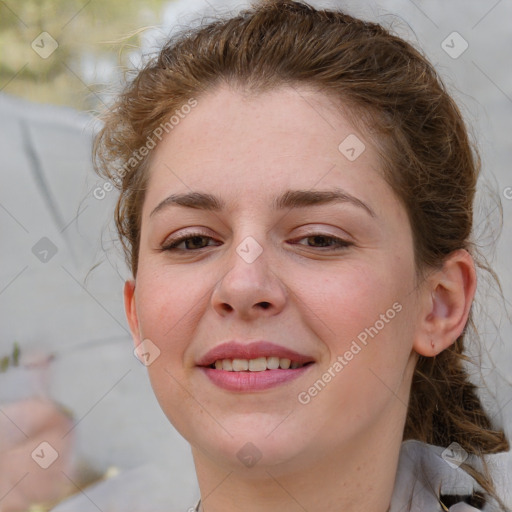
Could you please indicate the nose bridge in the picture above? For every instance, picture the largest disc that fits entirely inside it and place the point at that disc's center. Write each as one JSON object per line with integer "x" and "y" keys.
{"x": 249, "y": 281}
{"x": 251, "y": 236}
{"x": 250, "y": 250}
{"x": 249, "y": 259}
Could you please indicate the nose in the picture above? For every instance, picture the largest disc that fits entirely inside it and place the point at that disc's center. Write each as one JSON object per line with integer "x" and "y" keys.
{"x": 249, "y": 289}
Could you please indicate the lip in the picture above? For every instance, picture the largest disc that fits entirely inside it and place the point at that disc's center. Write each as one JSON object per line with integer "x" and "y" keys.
{"x": 246, "y": 381}
{"x": 252, "y": 381}
{"x": 253, "y": 350}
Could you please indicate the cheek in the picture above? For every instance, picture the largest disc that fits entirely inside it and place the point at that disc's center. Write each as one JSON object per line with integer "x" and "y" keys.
{"x": 351, "y": 301}
{"x": 169, "y": 304}
{"x": 164, "y": 300}
{"x": 364, "y": 317}
{"x": 365, "y": 375}
{"x": 169, "y": 307}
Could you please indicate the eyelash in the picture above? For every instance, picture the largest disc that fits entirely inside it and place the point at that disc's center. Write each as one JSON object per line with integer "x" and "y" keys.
{"x": 172, "y": 246}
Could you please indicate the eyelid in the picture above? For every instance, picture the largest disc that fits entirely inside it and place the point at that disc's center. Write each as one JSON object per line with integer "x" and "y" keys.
{"x": 171, "y": 240}
{"x": 340, "y": 243}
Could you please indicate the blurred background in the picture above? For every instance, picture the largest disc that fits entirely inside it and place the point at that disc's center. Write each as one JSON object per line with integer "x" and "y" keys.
{"x": 63, "y": 330}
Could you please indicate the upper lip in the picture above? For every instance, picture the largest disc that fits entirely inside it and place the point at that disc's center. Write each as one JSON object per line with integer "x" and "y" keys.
{"x": 239, "y": 350}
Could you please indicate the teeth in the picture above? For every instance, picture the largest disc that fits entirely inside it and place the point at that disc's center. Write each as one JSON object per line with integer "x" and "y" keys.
{"x": 240, "y": 365}
{"x": 227, "y": 364}
{"x": 259, "y": 364}
{"x": 284, "y": 363}
{"x": 272, "y": 363}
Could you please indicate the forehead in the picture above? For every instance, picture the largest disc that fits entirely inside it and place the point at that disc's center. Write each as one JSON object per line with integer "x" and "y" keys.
{"x": 252, "y": 145}
{"x": 226, "y": 120}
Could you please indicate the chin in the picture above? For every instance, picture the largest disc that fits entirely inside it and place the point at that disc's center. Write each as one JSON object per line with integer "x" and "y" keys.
{"x": 252, "y": 457}
{"x": 250, "y": 441}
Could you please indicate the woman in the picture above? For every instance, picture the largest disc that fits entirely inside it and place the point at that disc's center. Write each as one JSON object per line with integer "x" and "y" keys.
{"x": 296, "y": 208}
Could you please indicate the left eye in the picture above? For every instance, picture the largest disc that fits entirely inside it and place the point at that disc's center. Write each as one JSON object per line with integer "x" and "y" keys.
{"x": 195, "y": 241}
{"x": 321, "y": 239}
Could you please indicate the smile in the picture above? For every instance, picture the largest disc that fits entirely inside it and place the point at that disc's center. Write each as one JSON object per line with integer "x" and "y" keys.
{"x": 260, "y": 364}
{"x": 244, "y": 366}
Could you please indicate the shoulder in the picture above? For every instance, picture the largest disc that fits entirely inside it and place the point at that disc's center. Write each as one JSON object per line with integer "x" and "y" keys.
{"x": 427, "y": 474}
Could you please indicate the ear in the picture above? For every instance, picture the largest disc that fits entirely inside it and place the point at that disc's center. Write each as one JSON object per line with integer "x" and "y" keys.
{"x": 131, "y": 311}
{"x": 445, "y": 302}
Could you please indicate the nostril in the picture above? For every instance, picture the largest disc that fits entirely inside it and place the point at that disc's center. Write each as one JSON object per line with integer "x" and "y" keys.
{"x": 265, "y": 305}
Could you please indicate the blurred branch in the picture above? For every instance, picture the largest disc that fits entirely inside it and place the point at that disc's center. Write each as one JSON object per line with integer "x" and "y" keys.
{"x": 11, "y": 360}
{"x": 89, "y": 35}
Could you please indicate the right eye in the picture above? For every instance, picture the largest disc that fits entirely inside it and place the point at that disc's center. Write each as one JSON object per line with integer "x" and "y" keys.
{"x": 191, "y": 241}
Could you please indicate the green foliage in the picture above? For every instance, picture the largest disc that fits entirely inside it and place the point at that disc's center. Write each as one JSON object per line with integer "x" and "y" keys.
{"x": 10, "y": 360}
{"x": 83, "y": 29}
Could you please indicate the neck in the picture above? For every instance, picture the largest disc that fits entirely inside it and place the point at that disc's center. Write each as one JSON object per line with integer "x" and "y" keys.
{"x": 358, "y": 475}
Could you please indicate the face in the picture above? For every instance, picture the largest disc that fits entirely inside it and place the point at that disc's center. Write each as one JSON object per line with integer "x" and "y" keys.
{"x": 300, "y": 251}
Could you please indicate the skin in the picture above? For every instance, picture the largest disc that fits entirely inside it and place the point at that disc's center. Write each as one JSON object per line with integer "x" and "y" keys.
{"x": 340, "y": 450}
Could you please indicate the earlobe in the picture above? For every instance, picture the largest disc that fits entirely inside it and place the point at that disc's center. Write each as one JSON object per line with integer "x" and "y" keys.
{"x": 447, "y": 297}
{"x": 131, "y": 310}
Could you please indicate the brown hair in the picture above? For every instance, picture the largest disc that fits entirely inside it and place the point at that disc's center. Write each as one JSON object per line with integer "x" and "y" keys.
{"x": 427, "y": 157}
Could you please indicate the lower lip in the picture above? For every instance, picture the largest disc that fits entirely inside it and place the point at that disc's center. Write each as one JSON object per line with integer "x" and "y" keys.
{"x": 253, "y": 381}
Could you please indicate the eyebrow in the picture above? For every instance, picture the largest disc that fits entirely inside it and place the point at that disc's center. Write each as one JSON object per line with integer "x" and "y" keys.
{"x": 289, "y": 199}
